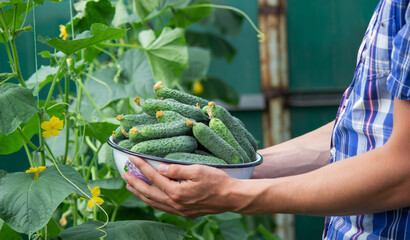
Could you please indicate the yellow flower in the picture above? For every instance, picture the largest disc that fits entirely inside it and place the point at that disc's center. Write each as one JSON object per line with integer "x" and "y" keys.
{"x": 51, "y": 127}
{"x": 197, "y": 87}
{"x": 63, "y": 32}
{"x": 36, "y": 170}
{"x": 95, "y": 192}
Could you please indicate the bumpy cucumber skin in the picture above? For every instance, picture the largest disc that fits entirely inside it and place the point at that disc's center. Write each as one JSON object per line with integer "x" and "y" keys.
{"x": 137, "y": 136}
{"x": 118, "y": 133}
{"x": 127, "y": 144}
{"x": 219, "y": 128}
{"x": 168, "y": 129}
{"x": 151, "y": 106}
{"x": 202, "y": 152}
{"x": 170, "y": 116}
{"x": 195, "y": 158}
{"x": 131, "y": 120}
{"x": 234, "y": 127}
{"x": 215, "y": 144}
{"x": 247, "y": 134}
{"x": 163, "y": 146}
{"x": 180, "y": 96}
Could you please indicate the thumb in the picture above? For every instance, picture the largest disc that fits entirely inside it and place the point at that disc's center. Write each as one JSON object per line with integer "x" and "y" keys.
{"x": 176, "y": 171}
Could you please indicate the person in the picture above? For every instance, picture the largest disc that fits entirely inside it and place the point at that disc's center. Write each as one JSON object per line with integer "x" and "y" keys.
{"x": 362, "y": 183}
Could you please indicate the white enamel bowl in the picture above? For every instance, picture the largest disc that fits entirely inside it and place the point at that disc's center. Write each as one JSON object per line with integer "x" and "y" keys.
{"x": 121, "y": 155}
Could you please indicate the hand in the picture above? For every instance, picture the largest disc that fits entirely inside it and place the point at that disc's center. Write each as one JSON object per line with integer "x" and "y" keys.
{"x": 205, "y": 190}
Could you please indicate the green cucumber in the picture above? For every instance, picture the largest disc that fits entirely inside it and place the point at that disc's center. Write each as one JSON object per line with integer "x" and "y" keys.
{"x": 195, "y": 158}
{"x": 233, "y": 126}
{"x": 202, "y": 152}
{"x": 151, "y": 106}
{"x": 247, "y": 134}
{"x": 168, "y": 116}
{"x": 215, "y": 144}
{"x": 167, "y": 93}
{"x": 119, "y": 133}
{"x": 131, "y": 120}
{"x": 163, "y": 146}
{"x": 219, "y": 128}
{"x": 134, "y": 134}
{"x": 128, "y": 144}
{"x": 168, "y": 129}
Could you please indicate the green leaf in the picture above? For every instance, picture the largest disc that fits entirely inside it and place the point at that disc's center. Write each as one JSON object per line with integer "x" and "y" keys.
{"x": 123, "y": 16}
{"x": 4, "y": 3}
{"x": 53, "y": 228}
{"x": 227, "y": 21}
{"x": 9, "y": 14}
{"x": 185, "y": 16}
{"x": 167, "y": 54}
{"x": 26, "y": 205}
{"x": 217, "y": 44}
{"x": 100, "y": 130}
{"x": 199, "y": 60}
{"x": 99, "y": 33}
{"x": 233, "y": 229}
{"x": 90, "y": 12}
{"x": 7, "y": 233}
{"x": 134, "y": 79}
{"x": 145, "y": 7}
{"x": 215, "y": 88}
{"x": 266, "y": 234}
{"x": 44, "y": 74}
{"x": 17, "y": 106}
{"x": 124, "y": 230}
{"x": 105, "y": 156}
{"x": 113, "y": 188}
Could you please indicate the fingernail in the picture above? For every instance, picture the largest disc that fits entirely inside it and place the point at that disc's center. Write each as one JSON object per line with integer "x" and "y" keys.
{"x": 123, "y": 176}
{"x": 163, "y": 168}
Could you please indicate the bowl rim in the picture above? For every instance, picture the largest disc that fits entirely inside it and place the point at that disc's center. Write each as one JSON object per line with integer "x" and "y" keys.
{"x": 111, "y": 142}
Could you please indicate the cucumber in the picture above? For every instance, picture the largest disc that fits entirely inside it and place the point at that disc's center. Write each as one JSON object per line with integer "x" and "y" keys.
{"x": 128, "y": 144}
{"x": 195, "y": 158}
{"x": 131, "y": 120}
{"x": 247, "y": 134}
{"x": 215, "y": 144}
{"x": 219, "y": 128}
{"x": 151, "y": 106}
{"x": 168, "y": 116}
{"x": 168, "y": 129}
{"x": 202, "y": 152}
{"x": 163, "y": 146}
{"x": 135, "y": 134}
{"x": 119, "y": 133}
{"x": 180, "y": 96}
{"x": 233, "y": 126}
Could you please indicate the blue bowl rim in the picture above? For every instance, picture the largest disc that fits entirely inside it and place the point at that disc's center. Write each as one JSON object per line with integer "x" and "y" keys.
{"x": 113, "y": 144}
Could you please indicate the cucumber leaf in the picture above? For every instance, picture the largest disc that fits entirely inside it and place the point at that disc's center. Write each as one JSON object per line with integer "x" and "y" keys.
{"x": 199, "y": 60}
{"x": 98, "y": 33}
{"x": 145, "y": 7}
{"x": 7, "y": 233}
{"x": 26, "y": 205}
{"x": 167, "y": 54}
{"x": 100, "y": 130}
{"x": 44, "y": 75}
{"x": 125, "y": 230}
{"x": 17, "y": 106}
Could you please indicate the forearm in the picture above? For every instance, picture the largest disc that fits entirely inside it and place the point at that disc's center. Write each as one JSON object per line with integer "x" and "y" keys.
{"x": 371, "y": 182}
{"x": 296, "y": 156}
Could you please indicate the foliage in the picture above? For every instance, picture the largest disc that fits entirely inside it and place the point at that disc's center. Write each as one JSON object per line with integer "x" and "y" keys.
{"x": 112, "y": 52}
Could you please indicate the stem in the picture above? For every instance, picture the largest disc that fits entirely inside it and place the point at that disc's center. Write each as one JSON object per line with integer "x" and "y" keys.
{"x": 25, "y": 139}
{"x": 30, "y": 159}
{"x": 122, "y": 45}
{"x": 67, "y": 122}
{"x": 75, "y": 213}
{"x": 50, "y": 152}
{"x": 114, "y": 212}
{"x": 41, "y": 139}
{"x": 87, "y": 176}
{"x": 50, "y": 92}
{"x": 91, "y": 100}
{"x": 14, "y": 49}
{"x": 76, "y": 158}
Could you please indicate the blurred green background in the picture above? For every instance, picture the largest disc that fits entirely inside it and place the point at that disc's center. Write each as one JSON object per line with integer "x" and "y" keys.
{"x": 323, "y": 40}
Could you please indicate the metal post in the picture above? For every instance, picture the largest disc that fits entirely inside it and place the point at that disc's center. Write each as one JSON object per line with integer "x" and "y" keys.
{"x": 275, "y": 82}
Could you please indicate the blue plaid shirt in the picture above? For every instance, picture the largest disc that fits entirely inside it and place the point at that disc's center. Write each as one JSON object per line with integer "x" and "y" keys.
{"x": 365, "y": 117}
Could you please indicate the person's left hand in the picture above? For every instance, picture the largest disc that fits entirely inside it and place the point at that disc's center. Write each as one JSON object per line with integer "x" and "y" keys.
{"x": 205, "y": 190}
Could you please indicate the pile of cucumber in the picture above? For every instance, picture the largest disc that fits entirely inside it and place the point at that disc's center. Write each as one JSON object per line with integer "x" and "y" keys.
{"x": 184, "y": 127}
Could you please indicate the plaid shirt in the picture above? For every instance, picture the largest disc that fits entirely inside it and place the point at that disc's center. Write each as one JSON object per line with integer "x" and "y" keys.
{"x": 365, "y": 117}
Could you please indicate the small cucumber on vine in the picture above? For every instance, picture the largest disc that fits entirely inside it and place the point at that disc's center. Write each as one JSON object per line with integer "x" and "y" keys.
{"x": 195, "y": 158}
{"x": 164, "y": 92}
{"x": 163, "y": 146}
{"x": 151, "y": 106}
{"x": 215, "y": 144}
{"x": 131, "y": 120}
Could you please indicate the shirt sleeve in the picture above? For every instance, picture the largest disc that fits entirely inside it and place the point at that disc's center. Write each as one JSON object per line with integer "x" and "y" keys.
{"x": 398, "y": 82}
